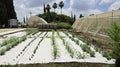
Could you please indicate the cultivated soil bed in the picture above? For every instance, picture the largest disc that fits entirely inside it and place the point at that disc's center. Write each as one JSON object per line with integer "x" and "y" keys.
{"x": 50, "y": 48}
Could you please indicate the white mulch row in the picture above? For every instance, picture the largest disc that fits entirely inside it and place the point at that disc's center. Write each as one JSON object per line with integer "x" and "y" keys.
{"x": 18, "y": 34}
{"x": 44, "y": 53}
{"x": 28, "y": 52}
{"x": 63, "y": 53}
{"x": 9, "y": 56}
{"x": 7, "y": 32}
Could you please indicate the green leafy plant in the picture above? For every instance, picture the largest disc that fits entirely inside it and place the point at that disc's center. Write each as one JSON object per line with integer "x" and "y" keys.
{"x": 55, "y": 48}
{"x": 80, "y": 56}
{"x": 107, "y": 54}
{"x": 10, "y": 43}
{"x": 55, "y": 51}
{"x": 87, "y": 49}
{"x": 114, "y": 34}
{"x": 69, "y": 49}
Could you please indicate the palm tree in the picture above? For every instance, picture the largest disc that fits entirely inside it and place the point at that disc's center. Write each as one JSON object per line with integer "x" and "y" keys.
{"x": 48, "y": 12}
{"x": 61, "y": 4}
{"x": 54, "y": 6}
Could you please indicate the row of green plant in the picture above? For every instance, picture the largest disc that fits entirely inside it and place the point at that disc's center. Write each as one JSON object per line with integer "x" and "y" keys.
{"x": 61, "y": 37}
{"x": 107, "y": 54}
{"x": 87, "y": 49}
{"x": 79, "y": 55}
{"x": 32, "y": 31}
{"x": 79, "y": 38}
{"x": 84, "y": 47}
{"x": 12, "y": 42}
{"x": 27, "y": 46}
{"x": 71, "y": 50}
{"x": 37, "y": 47}
{"x": 72, "y": 38}
{"x": 55, "y": 48}
{"x": 6, "y": 42}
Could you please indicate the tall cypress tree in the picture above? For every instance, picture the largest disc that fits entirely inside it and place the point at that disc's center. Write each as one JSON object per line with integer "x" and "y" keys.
{"x": 11, "y": 11}
{"x": 7, "y": 12}
{"x": 44, "y": 9}
{"x": 3, "y": 14}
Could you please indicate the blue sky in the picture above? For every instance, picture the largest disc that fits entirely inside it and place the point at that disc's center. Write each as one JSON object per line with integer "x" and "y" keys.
{"x": 86, "y": 7}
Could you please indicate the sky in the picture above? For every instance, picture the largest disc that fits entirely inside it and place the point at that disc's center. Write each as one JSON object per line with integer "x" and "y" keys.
{"x": 23, "y": 8}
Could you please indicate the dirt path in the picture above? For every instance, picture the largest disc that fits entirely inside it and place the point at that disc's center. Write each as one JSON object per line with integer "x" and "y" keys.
{"x": 10, "y": 30}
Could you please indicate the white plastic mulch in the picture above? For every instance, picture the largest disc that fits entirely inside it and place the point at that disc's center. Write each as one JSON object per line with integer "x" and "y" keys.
{"x": 44, "y": 53}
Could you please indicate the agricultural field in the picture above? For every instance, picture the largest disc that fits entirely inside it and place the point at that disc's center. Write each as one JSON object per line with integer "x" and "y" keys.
{"x": 37, "y": 47}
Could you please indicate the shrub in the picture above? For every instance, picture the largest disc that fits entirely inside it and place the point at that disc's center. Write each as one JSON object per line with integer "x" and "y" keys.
{"x": 64, "y": 25}
{"x": 57, "y": 17}
{"x": 114, "y": 34}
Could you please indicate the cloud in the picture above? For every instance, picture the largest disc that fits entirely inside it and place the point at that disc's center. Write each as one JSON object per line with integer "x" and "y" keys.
{"x": 95, "y": 11}
{"x": 36, "y": 3}
{"x": 86, "y": 7}
{"x": 82, "y": 5}
{"x": 106, "y": 2}
{"x": 114, "y": 6}
{"x": 22, "y": 10}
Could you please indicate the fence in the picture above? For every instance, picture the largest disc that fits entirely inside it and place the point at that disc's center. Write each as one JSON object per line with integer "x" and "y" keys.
{"x": 97, "y": 23}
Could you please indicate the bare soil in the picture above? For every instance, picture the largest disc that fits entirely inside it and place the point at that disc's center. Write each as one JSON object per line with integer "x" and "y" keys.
{"x": 66, "y": 64}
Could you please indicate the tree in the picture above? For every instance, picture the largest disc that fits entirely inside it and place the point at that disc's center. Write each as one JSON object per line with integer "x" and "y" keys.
{"x": 114, "y": 34}
{"x": 74, "y": 17}
{"x": 71, "y": 15}
{"x": 8, "y": 12}
{"x": 44, "y": 9}
{"x": 48, "y": 12}
{"x": 81, "y": 16}
{"x": 54, "y": 6}
{"x": 59, "y": 17}
{"x": 3, "y": 14}
{"x": 24, "y": 20}
{"x": 61, "y": 4}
